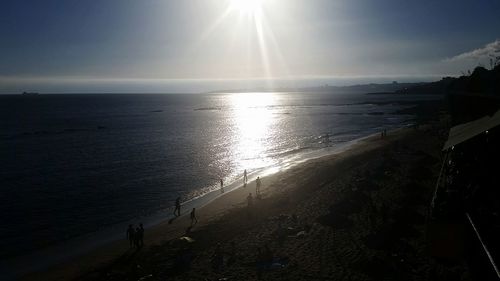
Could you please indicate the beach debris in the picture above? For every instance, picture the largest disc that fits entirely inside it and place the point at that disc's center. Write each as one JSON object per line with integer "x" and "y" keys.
{"x": 145, "y": 277}
{"x": 186, "y": 239}
{"x": 278, "y": 263}
{"x": 301, "y": 234}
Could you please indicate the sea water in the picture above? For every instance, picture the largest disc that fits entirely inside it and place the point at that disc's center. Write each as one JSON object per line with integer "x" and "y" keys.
{"x": 77, "y": 164}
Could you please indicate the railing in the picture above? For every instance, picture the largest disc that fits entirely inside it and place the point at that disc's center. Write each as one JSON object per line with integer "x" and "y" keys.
{"x": 438, "y": 185}
{"x": 484, "y": 247}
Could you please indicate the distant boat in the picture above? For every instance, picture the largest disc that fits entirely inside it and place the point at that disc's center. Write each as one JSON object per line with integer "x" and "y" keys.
{"x": 30, "y": 94}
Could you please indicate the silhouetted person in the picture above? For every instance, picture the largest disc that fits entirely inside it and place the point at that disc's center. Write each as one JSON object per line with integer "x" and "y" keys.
{"x": 140, "y": 235}
{"x": 258, "y": 183}
{"x": 245, "y": 178}
{"x": 250, "y": 200}
{"x": 194, "y": 219}
{"x": 131, "y": 235}
{"x": 177, "y": 211}
{"x": 221, "y": 186}
{"x": 136, "y": 237}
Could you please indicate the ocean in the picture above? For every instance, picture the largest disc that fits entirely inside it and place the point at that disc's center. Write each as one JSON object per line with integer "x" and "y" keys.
{"x": 75, "y": 165}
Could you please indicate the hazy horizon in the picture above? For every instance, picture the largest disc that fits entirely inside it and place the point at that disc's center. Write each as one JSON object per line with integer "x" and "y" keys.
{"x": 198, "y": 46}
{"x": 191, "y": 86}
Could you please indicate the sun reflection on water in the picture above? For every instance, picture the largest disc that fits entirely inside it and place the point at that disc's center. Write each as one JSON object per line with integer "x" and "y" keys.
{"x": 253, "y": 121}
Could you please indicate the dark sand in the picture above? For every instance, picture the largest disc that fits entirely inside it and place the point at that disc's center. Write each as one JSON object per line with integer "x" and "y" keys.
{"x": 362, "y": 214}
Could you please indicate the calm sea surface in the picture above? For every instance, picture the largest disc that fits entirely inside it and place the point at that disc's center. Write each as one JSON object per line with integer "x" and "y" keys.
{"x": 78, "y": 164}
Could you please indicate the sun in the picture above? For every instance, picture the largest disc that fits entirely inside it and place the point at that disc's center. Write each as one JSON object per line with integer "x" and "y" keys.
{"x": 248, "y": 7}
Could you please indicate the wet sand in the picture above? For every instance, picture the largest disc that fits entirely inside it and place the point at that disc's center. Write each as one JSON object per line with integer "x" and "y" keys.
{"x": 356, "y": 215}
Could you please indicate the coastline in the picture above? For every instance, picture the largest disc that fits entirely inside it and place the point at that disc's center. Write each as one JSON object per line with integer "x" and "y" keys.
{"x": 105, "y": 213}
{"x": 92, "y": 247}
{"x": 211, "y": 212}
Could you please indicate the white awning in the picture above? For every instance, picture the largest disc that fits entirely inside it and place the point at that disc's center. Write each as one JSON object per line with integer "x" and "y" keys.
{"x": 463, "y": 132}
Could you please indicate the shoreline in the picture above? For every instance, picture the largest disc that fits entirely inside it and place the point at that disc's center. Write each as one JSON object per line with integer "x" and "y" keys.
{"x": 210, "y": 212}
{"x": 87, "y": 244}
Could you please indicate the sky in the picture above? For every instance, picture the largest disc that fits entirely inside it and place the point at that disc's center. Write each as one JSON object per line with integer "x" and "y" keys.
{"x": 204, "y": 45}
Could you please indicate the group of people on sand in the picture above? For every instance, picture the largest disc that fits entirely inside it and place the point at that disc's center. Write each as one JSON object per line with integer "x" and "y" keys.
{"x": 135, "y": 236}
{"x": 258, "y": 183}
{"x": 177, "y": 211}
{"x": 192, "y": 215}
{"x": 383, "y": 134}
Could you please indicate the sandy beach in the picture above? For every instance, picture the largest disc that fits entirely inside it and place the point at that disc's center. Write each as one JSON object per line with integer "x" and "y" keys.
{"x": 356, "y": 215}
{"x": 367, "y": 132}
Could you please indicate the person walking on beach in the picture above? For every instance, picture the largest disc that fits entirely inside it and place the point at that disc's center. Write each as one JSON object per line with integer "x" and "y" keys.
{"x": 221, "y": 186}
{"x": 177, "y": 211}
{"x": 194, "y": 219}
{"x": 245, "y": 178}
{"x": 258, "y": 183}
{"x": 140, "y": 235}
{"x": 131, "y": 235}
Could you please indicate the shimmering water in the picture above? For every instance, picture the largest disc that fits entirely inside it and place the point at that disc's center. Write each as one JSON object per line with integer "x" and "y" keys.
{"x": 76, "y": 164}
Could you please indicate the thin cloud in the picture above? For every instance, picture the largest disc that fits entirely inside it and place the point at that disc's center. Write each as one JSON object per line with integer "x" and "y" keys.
{"x": 491, "y": 50}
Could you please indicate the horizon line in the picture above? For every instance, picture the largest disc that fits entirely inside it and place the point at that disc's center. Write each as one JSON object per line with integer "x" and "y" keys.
{"x": 256, "y": 89}
{"x": 277, "y": 78}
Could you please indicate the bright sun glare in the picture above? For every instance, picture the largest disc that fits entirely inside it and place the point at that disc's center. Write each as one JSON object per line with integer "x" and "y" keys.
{"x": 249, "y": 17}
{"x": 249, "y": 7}
{"x": 253, "y": 121}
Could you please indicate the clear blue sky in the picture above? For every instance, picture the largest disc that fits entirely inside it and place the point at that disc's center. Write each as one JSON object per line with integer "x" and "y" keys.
{"x": 154, "y": 45}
